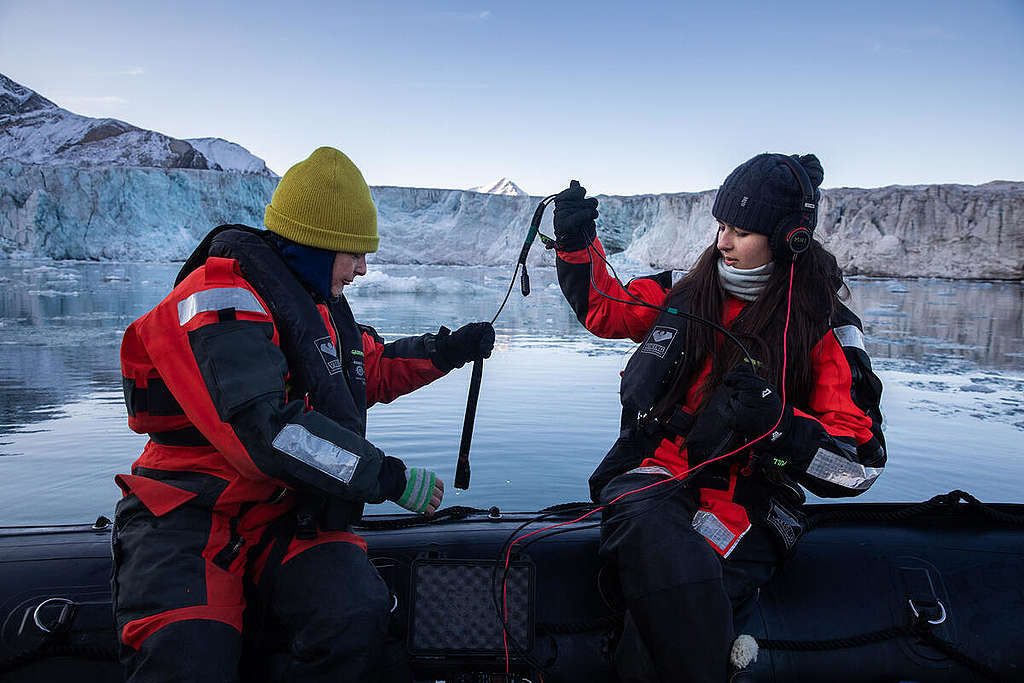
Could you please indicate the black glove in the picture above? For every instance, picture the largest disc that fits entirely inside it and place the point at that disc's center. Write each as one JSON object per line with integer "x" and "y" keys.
{"x": 754, "y": 406}
{"x": 470, "y": 342}
{"x": 575, "y": 217}
{"x": 711, "y": 435}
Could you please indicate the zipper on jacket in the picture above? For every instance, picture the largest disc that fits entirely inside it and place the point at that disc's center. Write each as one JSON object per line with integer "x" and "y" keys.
{"x": 227, "y": 555}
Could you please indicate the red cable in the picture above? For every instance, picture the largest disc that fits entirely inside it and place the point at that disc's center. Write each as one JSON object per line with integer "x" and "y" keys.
{"x": 508, "y": 555}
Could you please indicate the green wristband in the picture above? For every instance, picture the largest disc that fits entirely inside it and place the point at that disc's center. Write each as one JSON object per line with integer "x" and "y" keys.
{"x": 419, "y": 489}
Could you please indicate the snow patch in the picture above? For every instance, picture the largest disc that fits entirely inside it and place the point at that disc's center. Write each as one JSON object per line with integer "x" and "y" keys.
{"x": 501, "y": 186}
{"x": 375, "y": 282}
{"x": 229, "y": 156}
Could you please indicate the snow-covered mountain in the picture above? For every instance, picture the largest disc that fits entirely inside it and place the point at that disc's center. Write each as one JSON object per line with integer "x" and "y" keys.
{"x": 501, "y": 186}
{"x": 35, "y": 130}
{"x": 230, "y": 156}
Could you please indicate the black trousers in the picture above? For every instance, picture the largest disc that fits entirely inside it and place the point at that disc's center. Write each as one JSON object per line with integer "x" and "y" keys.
{"x": 180, "y": 615}
{"x": 683, "y": 600}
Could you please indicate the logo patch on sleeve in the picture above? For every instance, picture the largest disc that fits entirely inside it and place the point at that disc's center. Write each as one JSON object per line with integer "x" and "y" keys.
{"x": 658, "y": 341}
{"x": 330, "y": 355}
{"x": 359, "y": 370}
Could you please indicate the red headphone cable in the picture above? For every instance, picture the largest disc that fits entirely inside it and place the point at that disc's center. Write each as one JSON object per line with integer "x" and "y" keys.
{"x": 681, "y": 475}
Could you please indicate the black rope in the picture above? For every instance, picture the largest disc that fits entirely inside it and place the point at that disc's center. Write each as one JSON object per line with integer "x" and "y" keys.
{"x": 837, "y": 643}
{"x": 959, "y": 657}
{"x": 949, "y": 502}
{"x": 449, "y": 514}
{"x": 984, "y": 510}
{"x": 954, "y": 502}
{"x": 919, "y": 629}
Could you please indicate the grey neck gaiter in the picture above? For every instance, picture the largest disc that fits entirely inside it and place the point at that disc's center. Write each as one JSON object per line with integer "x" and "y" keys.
{"x": 744, "y": 284}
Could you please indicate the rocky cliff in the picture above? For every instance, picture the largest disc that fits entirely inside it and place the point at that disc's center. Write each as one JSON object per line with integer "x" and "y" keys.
{"x": 955, "y": 231}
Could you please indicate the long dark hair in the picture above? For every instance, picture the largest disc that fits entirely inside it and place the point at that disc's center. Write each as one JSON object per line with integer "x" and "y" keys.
{"x": 817, "y": 281}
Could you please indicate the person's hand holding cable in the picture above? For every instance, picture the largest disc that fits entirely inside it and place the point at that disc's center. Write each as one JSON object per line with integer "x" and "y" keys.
{"x": 743, "y": 409}
{"x": 755, "y": 409}
{"x": 574, "y": 218}
{"x": 711, "y": 435}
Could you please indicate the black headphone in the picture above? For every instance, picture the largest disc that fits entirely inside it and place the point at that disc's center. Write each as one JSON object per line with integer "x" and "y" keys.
{"x": 792, "y": 235}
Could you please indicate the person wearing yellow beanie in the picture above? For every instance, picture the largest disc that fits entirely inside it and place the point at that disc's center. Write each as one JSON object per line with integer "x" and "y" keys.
{"x": 252, "y": 379}
{"x": 324, "y": 202}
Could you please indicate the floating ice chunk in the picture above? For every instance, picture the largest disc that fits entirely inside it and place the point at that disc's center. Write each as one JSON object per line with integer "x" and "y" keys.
{"x": 377, "y": 282}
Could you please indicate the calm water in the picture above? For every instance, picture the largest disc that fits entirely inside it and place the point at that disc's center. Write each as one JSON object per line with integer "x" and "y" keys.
{"x": 951, "y": 356}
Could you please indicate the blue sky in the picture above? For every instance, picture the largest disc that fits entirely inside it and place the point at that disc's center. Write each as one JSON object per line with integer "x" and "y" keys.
{"x": 628, "y": 97}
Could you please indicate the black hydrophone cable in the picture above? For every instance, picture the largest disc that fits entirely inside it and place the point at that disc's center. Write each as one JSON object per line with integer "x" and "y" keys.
{"x": 664, "y": 309}
{"x": 663, "y": 495}
{"x": 680, "y": 478}
{"x": 462, "y": 468}
{"x": 502, "y": 614}
{"x": 658, "y": 498}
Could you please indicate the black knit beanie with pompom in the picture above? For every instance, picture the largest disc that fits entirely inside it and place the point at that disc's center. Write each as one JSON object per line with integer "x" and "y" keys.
{"x": 763, "y": 190}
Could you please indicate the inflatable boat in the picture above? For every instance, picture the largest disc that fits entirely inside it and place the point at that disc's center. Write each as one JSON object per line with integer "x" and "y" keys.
{"x": 931, "y": 591}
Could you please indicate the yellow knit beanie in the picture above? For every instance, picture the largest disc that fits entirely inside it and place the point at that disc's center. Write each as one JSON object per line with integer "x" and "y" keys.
{"x": 324, "y": 202}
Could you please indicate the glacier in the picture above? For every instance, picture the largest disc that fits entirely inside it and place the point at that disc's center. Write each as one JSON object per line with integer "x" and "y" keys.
{"x": 160, "y": 214}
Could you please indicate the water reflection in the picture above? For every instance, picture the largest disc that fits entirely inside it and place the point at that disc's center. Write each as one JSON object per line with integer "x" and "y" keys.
{"x": 951, "y": 353}
{"x": 61, "y": 323}
{"x": 60, "y": 330}
{"x": 941, "y": 323}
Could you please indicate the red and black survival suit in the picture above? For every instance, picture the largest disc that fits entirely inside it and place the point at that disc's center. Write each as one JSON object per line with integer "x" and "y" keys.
{"x": 705, "y": 546}
{"x": 254, "y": 396}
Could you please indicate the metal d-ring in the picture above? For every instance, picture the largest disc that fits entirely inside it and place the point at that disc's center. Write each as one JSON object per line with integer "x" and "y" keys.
{"x": 60, "y": 620}
{"x": 394, "y": 605}
{"x": 934, "y": 622}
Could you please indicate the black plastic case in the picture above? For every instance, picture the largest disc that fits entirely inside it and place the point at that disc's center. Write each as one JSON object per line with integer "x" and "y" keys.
{"x": 452, "y": 612}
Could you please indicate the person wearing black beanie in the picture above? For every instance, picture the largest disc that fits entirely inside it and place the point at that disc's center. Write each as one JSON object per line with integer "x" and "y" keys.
{"x": 722, "y": 445}
{"x": 762, "y": 191}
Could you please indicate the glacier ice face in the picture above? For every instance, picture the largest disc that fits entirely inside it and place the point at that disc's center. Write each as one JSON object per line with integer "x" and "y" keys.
{"x": 66, "y": 212}
{"x": 951, "y": 231}
{"x": 130, "y": 214}
{"x": 452, "y": 227}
